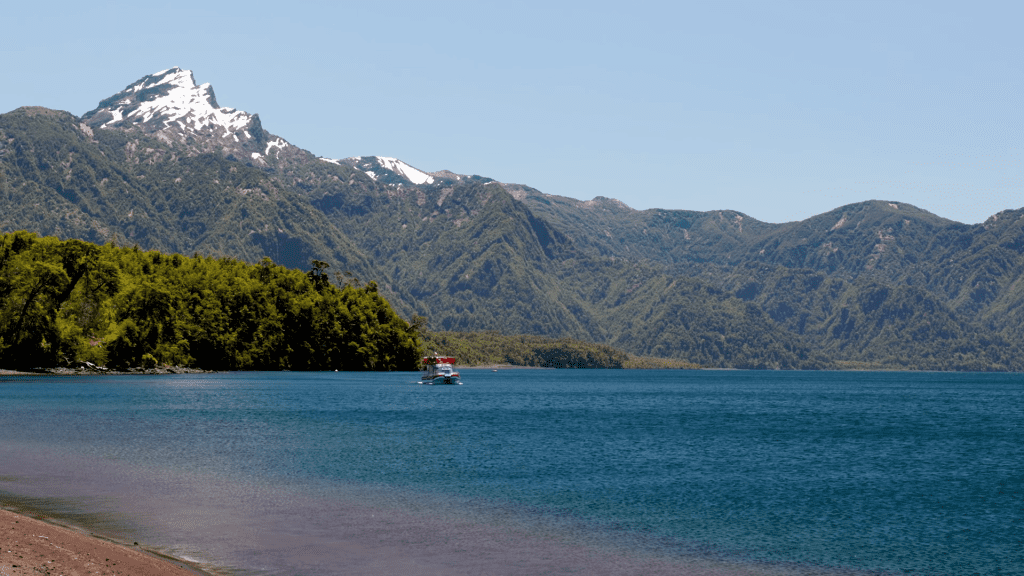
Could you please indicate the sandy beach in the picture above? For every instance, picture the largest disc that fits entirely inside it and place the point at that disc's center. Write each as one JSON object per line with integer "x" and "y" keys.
{"x": 31, "y": 547}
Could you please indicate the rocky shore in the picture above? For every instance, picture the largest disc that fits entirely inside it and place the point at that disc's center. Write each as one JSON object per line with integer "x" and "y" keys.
{"x": 88, "y": 368}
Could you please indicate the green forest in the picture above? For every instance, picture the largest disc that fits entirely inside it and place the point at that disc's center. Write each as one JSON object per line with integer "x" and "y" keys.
{"x": 68, "y": 301}
{"x": 491, "y": 348}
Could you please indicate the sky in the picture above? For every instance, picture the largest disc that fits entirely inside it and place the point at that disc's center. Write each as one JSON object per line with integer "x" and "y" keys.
{"x": 780, "y": 110}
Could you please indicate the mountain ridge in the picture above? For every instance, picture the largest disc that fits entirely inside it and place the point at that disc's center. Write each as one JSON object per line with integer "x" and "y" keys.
{"x": 162, "y": 165}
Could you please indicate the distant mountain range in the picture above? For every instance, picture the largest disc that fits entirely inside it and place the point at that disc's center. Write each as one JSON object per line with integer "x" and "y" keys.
{"x": 878, "y": 284}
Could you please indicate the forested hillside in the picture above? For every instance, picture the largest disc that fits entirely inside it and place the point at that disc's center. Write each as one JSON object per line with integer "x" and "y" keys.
{"x": 878, "y": 284}
{"x": 68, "y": 301}
{"x": 491, "y": 348}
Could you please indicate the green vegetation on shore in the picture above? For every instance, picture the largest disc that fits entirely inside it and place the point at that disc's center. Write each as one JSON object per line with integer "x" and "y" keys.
{"x": 71, "y": 301}
{"x": 491, "y": 348}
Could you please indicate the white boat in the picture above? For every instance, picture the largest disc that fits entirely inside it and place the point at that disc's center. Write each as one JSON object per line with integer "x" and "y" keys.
{"x": 439, "y": 370}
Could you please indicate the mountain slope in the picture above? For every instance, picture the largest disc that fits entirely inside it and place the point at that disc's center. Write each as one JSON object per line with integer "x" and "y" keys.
{"x": 806, "y": 274}
{"x": 878, "y": 284}
{"x": 60, "y": 177}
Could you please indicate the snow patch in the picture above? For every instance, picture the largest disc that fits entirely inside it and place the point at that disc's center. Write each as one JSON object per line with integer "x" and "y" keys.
{"x": 408, "y": 172}
{"x": 275, "y": 143}
{"x": 332, "y": 161}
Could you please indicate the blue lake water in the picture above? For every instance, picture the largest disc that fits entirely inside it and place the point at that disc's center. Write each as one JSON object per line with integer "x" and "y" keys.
{"x": 534, "y": 471}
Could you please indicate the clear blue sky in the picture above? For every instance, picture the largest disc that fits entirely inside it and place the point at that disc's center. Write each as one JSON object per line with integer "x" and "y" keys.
{"x": 781, "y": 110}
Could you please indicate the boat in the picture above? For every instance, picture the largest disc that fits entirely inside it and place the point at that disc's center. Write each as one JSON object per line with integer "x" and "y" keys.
{"x": 439, "y": 370}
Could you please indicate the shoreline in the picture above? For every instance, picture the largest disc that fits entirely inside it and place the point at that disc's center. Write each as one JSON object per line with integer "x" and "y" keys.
{"x": 497, "y": 367}
{"x": 33, "y": 545}
{"x": 102, "y": 371}
{"x": 5, "y": 372}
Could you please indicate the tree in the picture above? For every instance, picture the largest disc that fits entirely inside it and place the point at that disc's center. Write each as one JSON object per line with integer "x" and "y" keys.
{"x": 318, "y": 275}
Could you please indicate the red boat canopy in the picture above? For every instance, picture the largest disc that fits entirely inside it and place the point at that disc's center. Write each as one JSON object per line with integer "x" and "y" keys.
{"x": 438, "y": 360}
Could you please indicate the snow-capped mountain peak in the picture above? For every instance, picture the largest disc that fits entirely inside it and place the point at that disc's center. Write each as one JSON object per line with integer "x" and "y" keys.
{"x": 171, "y": 103}
{"x": 172, "y": 97}
{"x": 387, "y": 170}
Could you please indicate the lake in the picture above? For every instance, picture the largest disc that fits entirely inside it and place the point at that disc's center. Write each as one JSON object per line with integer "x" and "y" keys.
{"x": 533, "y": 471}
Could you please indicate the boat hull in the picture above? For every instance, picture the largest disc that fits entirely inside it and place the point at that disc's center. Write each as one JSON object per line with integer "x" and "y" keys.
{"x": 442, "y": 380}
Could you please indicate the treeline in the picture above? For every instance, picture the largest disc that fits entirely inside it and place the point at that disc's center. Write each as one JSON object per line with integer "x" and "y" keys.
{"x": 70, "y": 301}
{"x": 491, "y": 348}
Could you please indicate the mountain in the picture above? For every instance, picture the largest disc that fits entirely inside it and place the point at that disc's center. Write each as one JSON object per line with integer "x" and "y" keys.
{"x": 170, "y": 106}
{"x": 912, "y": 272}
{"x": 878, "y": 284}
{"x": 157, "y": 165}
